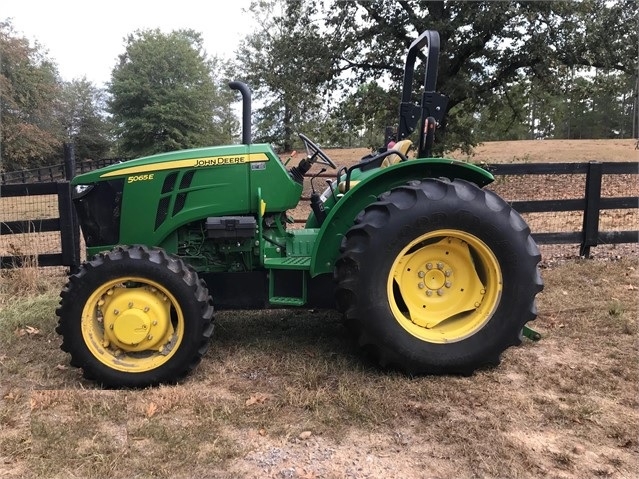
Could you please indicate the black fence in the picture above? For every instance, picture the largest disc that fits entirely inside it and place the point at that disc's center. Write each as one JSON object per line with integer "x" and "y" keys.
{"x": 66, "y": 224}
{"x": 591, "y": 204}
{"x": 59, "y": 172}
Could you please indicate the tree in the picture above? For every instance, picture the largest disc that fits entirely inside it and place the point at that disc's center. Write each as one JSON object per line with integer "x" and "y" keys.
{"x": 363, "y": 115}
{"x": 288, "y": 65}
{"x": 487, "y": 47}
{"x": 163, "y": 95}
{"x": 28, "y": 89}
{"x": 80, "y": 112}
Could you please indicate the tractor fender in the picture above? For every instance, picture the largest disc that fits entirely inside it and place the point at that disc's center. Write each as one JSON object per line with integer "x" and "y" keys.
{"x": 342, "y": 215}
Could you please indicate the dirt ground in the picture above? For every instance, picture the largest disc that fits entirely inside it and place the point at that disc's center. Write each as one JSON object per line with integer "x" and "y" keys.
{"x": 285, "y": 394}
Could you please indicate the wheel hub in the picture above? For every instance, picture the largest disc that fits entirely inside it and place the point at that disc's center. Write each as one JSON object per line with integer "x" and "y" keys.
{"x": 131, "y": 327}
{"x": 136, "y": 319}
{"x": 438, "y": 284}
{"x": 435, "y": 280}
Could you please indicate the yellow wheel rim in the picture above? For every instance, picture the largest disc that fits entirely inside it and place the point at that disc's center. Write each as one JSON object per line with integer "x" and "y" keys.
{"x": 444, "y": 286}
{"x": 132, "y": 324}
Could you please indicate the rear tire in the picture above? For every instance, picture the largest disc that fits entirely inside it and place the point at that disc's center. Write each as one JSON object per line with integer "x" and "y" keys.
{"x": 438, "y": 277}
{"x": 135, "y": 317}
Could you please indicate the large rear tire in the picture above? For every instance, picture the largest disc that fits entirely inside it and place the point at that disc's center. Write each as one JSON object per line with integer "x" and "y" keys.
{"x": 135, "y": 317}
{"x": 438, "y": 277}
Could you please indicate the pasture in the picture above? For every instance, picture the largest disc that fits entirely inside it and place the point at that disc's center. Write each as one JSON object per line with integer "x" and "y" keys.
{"x": 284, "y": 393}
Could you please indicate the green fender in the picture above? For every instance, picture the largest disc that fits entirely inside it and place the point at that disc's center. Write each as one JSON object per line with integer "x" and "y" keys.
{"x": 340, "y": 218}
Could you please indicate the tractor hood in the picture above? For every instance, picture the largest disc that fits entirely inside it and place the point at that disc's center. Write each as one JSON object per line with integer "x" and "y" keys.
{"x": 147, "y": 200}
{"x": 192, "y": 158}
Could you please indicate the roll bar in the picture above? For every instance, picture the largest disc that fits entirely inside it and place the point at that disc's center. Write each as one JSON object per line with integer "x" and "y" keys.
{"x": 433, "y": 104}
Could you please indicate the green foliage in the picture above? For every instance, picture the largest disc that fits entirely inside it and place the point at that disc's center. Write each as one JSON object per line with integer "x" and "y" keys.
{"x": 288, "y": 65}
{"x": 500, "y": 61}
{"x": 508, "y": 68}
{"x": 28, "y": 90}
{"x": 164, "y": 97}
{"x": 362, "y": 116}
{"x": 80, "y": 115}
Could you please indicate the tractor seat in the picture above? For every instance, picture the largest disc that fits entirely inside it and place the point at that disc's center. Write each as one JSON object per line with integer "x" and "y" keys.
{"x": 401, "y": 146}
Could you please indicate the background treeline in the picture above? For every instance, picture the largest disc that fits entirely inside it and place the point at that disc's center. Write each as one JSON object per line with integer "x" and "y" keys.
{"x": 333, "y": 69}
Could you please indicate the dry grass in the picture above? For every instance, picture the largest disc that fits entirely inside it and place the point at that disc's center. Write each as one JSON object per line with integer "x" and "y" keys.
{"x": 563, "y": 407}
{"x": 553, "y": 151}
{"x": 528, "y": 151}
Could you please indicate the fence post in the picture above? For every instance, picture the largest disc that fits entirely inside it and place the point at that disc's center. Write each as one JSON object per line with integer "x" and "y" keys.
{"x": 590, "y": 230}
{"x": 69, "y": 229}
{"x": 69, "y": 161}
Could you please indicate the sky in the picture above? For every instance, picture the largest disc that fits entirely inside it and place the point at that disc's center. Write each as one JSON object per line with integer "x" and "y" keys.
{"x": 84, "y": 38}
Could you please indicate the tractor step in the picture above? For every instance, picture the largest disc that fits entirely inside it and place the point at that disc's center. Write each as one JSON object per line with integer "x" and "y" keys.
{"x": 287, "y": 286}
{"x": 290, "y": 262}
{"x": 286, "y": 301}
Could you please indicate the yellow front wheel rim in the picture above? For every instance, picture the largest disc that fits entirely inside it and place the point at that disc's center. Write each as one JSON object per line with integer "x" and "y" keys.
{"x": 444, "y": 286}
{"x": 132, "y": 324}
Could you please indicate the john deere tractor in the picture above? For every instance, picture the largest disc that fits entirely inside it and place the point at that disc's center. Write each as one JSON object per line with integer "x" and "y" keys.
{"x": 433, "y": 274}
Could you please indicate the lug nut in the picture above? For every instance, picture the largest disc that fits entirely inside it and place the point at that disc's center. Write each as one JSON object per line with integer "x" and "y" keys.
{"x": 420, "y": 285}
{"x": 421, "y": 274}
{"x": 447, "y": 273}
{"x": 146, "y": 309}
{"x": 447, "y": 284}
{"x": 429, "y": 265}
{"x": 116, "y": 311}
{"x": 429, "y": 293}
{"x": 440, "y": 265}
{"x": 155, "y": 323}
{"x": 130, "y": 304}
{"x": 440, "y": 292}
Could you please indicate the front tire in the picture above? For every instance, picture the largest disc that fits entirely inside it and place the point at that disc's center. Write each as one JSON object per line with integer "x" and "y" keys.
{"x": 135, "y": 317}
{"x": 438, "y": 277}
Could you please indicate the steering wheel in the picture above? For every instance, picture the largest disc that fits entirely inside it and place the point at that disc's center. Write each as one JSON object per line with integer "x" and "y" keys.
{"x": 315, "y": 153}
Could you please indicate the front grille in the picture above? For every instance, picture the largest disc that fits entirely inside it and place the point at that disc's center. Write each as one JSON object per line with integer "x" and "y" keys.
{"x": 99, "y": 213}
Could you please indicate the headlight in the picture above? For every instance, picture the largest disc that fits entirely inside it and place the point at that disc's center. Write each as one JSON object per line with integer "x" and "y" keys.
{"x": 81, "y": 190}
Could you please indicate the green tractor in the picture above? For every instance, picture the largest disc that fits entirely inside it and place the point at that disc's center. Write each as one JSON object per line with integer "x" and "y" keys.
{"x": 433, "y": 274}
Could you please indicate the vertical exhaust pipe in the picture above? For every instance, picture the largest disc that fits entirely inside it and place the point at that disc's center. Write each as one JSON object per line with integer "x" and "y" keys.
{"x": 246, "y": 109}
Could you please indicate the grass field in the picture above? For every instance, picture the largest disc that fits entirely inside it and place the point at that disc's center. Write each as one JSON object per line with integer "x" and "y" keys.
{"x": 284, "y": 394}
